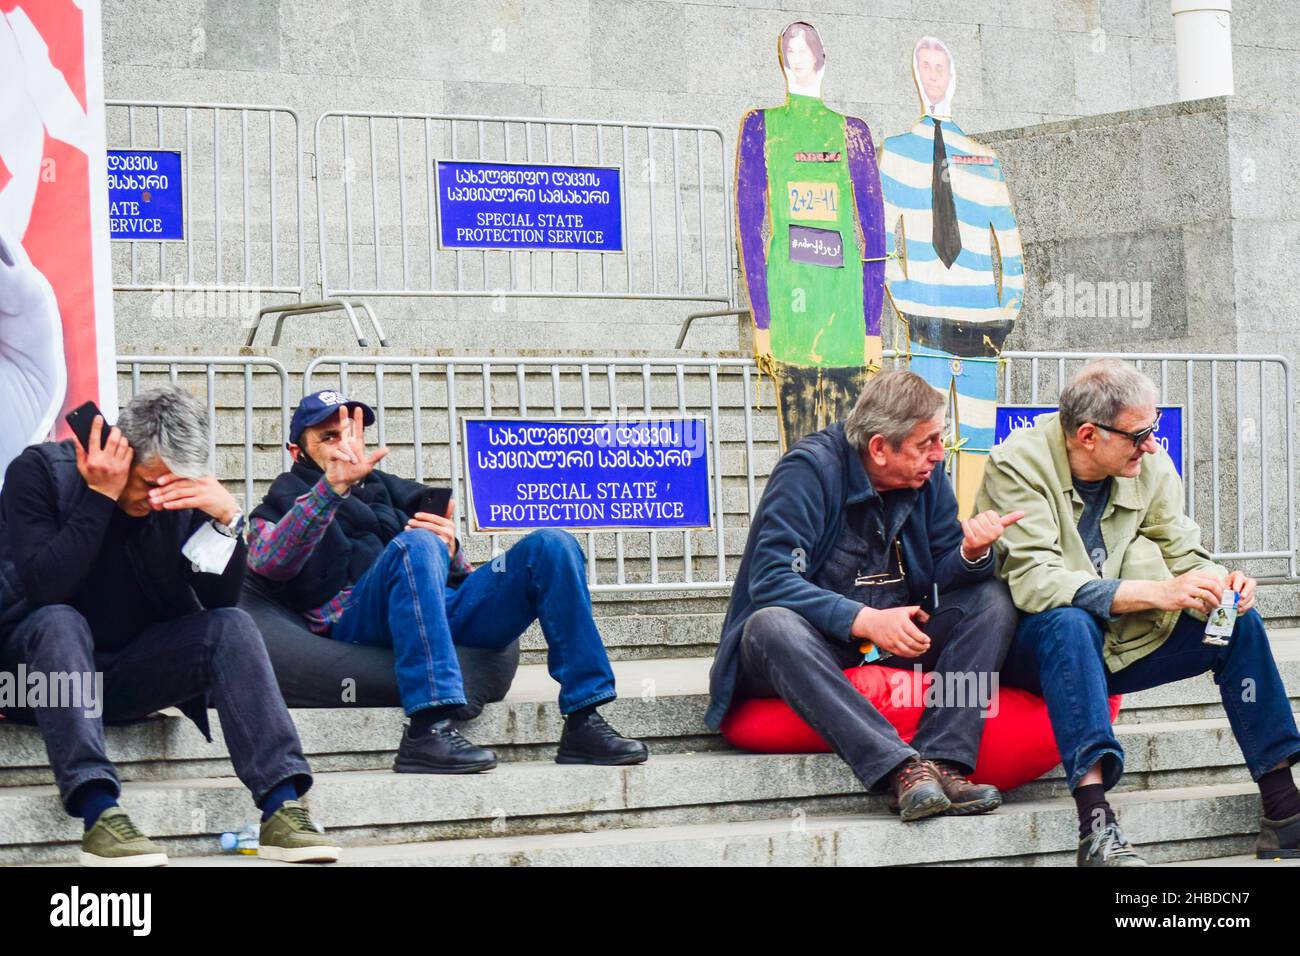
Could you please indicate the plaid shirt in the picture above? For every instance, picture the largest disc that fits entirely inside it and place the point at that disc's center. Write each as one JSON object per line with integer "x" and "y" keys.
{"x": 278, "y": 551}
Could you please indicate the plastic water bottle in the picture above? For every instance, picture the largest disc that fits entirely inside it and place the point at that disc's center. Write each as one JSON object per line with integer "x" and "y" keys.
{"x": 244, "y": 842}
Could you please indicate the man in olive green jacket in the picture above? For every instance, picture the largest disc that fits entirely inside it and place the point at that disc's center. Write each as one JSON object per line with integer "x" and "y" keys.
{"x": 1114, "y": 587}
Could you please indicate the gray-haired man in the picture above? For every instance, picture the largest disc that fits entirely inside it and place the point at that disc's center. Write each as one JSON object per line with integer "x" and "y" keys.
{"x": 856, "y": 533}
{"x": 1114, "y": 584}
{"x": 120, "y": 568}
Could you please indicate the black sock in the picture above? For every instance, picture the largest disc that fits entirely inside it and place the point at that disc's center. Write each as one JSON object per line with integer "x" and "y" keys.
{"x": 1278, "y": 791}
{"x": 583, "y": 712}
{"x": 422, "y": 721}
{"x": 1094, "y": 811}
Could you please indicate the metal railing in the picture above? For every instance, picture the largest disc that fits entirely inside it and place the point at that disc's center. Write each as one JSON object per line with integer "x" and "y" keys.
{"x": 418, "y": 402}
{"x": 242, "y": 194}
{"x": 375, "y": 172}
{"x": 1238, "y": 437}
{"x": 206, "y": 375}
{"x": 1239, "y": 469}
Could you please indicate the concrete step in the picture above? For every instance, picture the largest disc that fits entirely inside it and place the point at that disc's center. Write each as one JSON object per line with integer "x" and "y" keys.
{"x": 1244, "y": 859}
{"x": 517, "y": 799}
{"x": 1172, "y": 734}
{"x": 1188, "y": 823}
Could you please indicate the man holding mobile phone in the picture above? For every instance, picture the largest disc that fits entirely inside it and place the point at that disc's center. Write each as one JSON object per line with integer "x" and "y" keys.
{"x": 351, "y": 550}
{"x": 100, "y": 574}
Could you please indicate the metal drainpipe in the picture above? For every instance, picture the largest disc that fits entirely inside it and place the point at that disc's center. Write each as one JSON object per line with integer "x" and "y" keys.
{"x": 1203, "y": 34}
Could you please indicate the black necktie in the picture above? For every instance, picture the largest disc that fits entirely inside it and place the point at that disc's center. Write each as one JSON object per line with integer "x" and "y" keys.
{"x": 946, "y": 234}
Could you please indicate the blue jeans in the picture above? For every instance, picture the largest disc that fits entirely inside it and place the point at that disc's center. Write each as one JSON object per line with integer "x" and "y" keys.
{"x": 403, "y": 602}
{"x": 1058, "y": 655}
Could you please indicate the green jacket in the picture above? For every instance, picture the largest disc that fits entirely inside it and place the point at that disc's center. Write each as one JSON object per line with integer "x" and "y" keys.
{"x": 1042, "y": 558}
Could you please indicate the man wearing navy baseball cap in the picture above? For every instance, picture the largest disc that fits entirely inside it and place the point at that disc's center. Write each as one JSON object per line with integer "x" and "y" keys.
{"x": 348, "y": 548}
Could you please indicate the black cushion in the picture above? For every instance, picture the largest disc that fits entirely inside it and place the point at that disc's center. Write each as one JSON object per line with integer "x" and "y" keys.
{"x": 314, "y": 671}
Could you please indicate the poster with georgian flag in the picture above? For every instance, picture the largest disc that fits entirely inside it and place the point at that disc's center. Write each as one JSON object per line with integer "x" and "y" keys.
{"x": 56, "y": 306}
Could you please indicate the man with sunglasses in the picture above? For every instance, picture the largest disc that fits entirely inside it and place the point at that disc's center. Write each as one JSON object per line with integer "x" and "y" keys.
{"x": 1114, "y": 585}
{"x": 855, "y": 536}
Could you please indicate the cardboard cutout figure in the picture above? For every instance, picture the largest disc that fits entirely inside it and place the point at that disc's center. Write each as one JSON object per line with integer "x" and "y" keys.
{"x": 958, "y": 277}
{"x": 810, "y": 232}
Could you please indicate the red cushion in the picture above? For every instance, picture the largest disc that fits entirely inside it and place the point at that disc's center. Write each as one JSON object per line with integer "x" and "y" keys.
{"x": 1018, "y": 744}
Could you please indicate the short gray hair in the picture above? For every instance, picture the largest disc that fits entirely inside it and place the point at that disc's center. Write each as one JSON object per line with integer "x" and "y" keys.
{"x": 1101, "y": 390}
{"x": 171, "y": 424}
{"x": 892, "y": 404}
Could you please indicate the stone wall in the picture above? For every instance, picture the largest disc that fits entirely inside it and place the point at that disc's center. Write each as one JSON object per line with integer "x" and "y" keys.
{"x": 1020, "y": 62}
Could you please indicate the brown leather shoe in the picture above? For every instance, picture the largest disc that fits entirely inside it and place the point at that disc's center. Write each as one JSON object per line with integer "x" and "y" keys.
{"x": 917, "y": 792}
{"x": 966, "y": 798}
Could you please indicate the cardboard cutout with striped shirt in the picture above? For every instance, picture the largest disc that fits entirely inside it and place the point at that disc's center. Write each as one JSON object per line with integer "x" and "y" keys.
{"x": 956, "y": 277}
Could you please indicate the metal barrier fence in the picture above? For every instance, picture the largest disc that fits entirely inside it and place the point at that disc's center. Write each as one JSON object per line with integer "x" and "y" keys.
{"x": 375, "y": 171}
{"x": 1238, "y": 434}
{"x": 1239, "y": 486}
{"x": 403, "y": 390}
{"x": 210, "y": 377}
{"x": 242, "y": 198}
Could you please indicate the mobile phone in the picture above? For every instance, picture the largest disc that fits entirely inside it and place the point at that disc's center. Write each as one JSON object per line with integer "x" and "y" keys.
{"x": 81, "y": 418}
{"x": 435, "y": 501}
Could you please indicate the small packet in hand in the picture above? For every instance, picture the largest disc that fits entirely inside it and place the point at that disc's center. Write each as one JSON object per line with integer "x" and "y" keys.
{"x": 1219, "y": 625}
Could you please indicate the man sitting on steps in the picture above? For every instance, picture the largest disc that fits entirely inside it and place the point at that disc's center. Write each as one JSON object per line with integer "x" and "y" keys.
{"x": 99, "y": 574}
{"x": 1115, "y": 585}
{"x": 345, "y": 546}
{"x": 856, "y": 531}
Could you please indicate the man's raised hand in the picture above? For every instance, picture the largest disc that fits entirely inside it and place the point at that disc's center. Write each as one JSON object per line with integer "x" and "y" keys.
{"x": 980, "y": 531}
{"x": 347, "y": 461}
{"x": 106, "y": 470}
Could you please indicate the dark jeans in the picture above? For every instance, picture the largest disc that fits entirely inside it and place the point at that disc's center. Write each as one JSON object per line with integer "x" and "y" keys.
{"x": 782, "y": 655}
{"x": 403, "y": 602}
{"x": 1058, "y": 655}
{"x": 217, "y": 652}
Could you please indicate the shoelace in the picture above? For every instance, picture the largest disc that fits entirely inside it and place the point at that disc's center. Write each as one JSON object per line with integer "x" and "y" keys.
{"x": 1113, "y": 844}
{"x": 911, "y": 771}
{"x": 454, "y": 738}
{"x": 952, "y": 773}
{"x": 120, "y": 826}
{"x": 299, "y": 818}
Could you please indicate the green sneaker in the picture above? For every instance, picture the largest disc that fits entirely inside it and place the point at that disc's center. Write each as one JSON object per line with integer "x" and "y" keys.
{"x": 115, "y": 841}
{"x": 291, "y": 836}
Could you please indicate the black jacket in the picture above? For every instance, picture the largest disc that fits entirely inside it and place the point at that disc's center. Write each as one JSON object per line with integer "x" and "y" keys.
{"x": 374, "y": 512}
{"x": 803, "y": 510}
{"x": 37, "y": 569}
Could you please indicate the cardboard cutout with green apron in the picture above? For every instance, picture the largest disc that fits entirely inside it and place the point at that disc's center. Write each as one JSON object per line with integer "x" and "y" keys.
{"x": 810, "y": 232}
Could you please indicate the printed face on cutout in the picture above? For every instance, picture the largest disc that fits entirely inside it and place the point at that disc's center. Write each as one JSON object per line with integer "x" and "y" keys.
{"x": 935, "y": 71}
{"x": 803, "y": 58}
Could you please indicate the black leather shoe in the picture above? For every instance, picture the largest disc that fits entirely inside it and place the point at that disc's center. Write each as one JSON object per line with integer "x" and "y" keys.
{"x": 916, "y": 792}
{"x": 1107, "y": 847}
{"x": 441, "y": 750}
{"x": 589, "y": 739}
{"x": 1278, "y": 839}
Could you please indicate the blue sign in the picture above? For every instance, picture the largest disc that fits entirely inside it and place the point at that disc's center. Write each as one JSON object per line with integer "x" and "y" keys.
{"x": 529, "y": 206}
{"x": 1169, "y": 432}
{"x": 587, "y": 474}
{"x": 144, "y": 194}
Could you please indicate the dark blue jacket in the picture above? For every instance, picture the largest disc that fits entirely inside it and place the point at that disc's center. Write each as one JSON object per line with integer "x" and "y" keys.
{"x": 802, "y": 514}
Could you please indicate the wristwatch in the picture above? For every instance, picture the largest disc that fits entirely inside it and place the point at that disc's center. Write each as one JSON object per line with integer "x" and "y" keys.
{"x": 232, "y": 530}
